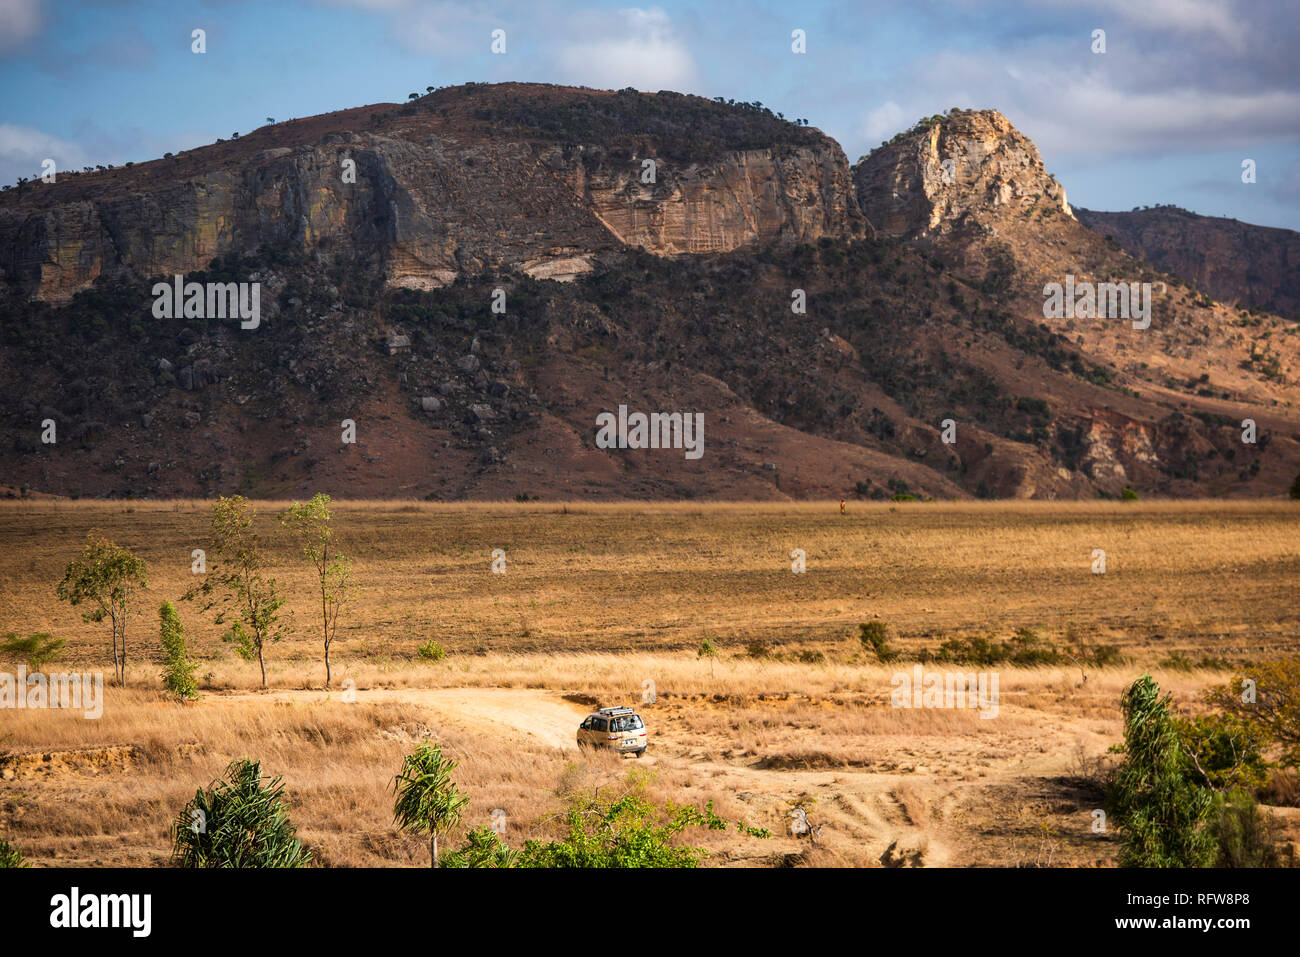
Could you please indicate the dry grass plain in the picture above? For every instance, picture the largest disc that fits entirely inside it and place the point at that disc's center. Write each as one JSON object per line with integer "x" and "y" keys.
{"x": 598, "y": 600}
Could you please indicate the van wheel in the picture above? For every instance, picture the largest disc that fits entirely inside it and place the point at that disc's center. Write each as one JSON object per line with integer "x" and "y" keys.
{"x": 639, "y": 753}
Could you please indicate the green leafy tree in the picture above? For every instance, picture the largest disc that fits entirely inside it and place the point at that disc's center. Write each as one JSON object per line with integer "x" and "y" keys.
{"x": 708, "y": 650}
{"x": 312, "y": 524}
{"x": 106, "y": 577}
{"x": 178, "y": 671}
{"x": 1160, "y": 810}
{"x": 238, "y": 585}
{"x": 36, "y": 650}
{"x": 238, "y": 822}
{"x": 427, "y": 800}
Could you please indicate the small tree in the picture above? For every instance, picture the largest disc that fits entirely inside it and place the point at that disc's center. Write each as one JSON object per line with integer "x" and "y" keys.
{"x": 311, "y": 524}
{"x": 238, "y": 822}
{"x": 178, "y": 671}
{"x": 238, "y": 583}
{"x": 427, "y": 800}
{"x": 708, "y": 650}
{"x": 106, "y": 576}
{"x": 36, "y": 650}
{"x": 1295, "y": 488}
{"x": 1160, "y": 810}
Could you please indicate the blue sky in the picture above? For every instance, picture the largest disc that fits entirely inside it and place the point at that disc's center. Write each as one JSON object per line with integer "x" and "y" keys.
{"x": 1185, "y": 91}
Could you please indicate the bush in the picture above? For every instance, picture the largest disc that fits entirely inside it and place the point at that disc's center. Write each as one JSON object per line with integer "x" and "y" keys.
{"x": 483, "y": 849}
{"x": 1295, "y": 488}
{"x": 628, "y": 832}
{"x": 431, "y": 651}
{"x": 1104, "y": 656}
{"x": 36, "y": 650}
{"x": 1025, "y": 649}
{"x": 1227, "y": 750}
{"x": 1244, "y": 834}
{"x": 239, "y": 822}
{"x": 10, "y": 856}
{"x": 873, "y": 635}
{"x": 1160, "y": 811}
{"x": 178, "y": 672}
{"x": 1128, "y": 494}
{"x": 1272, "y": 706}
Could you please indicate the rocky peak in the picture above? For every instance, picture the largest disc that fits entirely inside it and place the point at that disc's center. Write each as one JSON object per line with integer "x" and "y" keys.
{"x": 968, "y": 165}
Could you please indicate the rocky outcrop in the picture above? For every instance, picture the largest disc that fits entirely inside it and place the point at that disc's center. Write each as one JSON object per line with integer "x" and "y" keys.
{"x": 751, "y": 196}
{"x": 962, "y": 166}
{"x": 427, "y": 201}
{"x": 1233, "y": 261}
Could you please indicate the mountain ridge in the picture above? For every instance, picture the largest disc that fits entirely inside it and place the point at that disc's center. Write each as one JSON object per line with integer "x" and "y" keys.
{"x": 922, "y": 289}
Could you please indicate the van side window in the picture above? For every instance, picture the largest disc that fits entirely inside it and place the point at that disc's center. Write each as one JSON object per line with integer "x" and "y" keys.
{"x": 587, "y": 724}
{"x": 600, "y": 724}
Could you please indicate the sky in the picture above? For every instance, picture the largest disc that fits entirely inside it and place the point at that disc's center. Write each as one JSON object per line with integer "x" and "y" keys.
{"x": 1184, "y": 92}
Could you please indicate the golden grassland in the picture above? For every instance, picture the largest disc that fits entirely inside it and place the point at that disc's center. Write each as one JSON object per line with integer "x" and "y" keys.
{"x": 600, "y": 603}
{"x": 1213, "y": 578}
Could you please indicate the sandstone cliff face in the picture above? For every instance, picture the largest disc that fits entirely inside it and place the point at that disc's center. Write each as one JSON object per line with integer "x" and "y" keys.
{"x": 752, "y": 196}
{"x": 967, "y": 165}
{"x": 426, "y": 208}
{"x": 1233, "y": 261}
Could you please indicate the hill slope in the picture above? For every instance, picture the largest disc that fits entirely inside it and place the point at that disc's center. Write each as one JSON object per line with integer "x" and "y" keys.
{"x": 921, "y": 282}
{"x": 1235, "y": 262}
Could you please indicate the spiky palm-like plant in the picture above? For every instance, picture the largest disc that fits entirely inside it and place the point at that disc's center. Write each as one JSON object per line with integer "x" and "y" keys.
{"x": 238, "y": 823}
{"x": 1160, "y": 809}
{"x": 427, "y": 800}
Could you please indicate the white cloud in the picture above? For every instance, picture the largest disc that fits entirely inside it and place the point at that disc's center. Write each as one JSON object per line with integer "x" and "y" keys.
{"x": 23, "y": 148}
{"x": 633, "y": 47}
{"x": 20, "y": 20}
{"x": 883, "y": 122}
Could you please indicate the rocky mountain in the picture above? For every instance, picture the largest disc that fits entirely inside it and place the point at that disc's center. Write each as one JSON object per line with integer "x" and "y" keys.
{"x": 467, "y": 179}
{"x": 1235, "y": 262}
{"x": 454, "y": 290}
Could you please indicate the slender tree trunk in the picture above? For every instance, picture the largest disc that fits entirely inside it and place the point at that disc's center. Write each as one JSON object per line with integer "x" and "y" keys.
{"x": 327, "y": 666}
{"x": 117, "y": 660}
{"x": 262, "y": 662}
{"x": 325, "y": 626}
{"x": 433, "y": 849}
